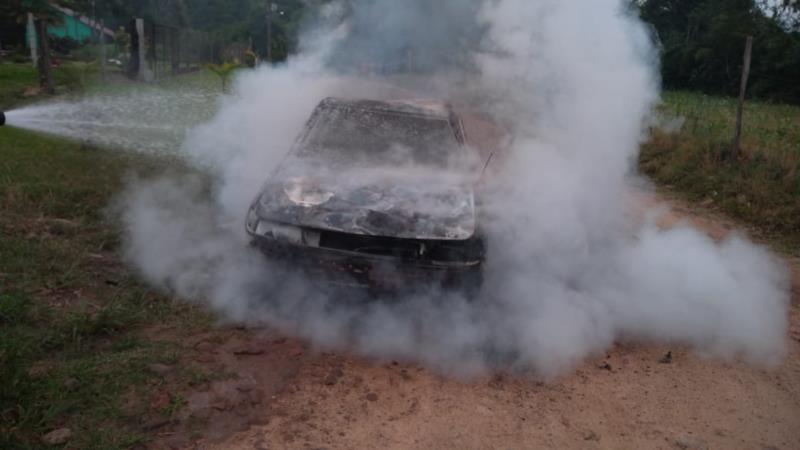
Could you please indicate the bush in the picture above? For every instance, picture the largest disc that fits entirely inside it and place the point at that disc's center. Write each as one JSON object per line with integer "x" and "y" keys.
{"x": 86, "y": 53}
{"x": 63, "y": 45}
{"x": 20, "y": 59}
{"x": 251, "y": 59}
{"x": 77, "y": 75}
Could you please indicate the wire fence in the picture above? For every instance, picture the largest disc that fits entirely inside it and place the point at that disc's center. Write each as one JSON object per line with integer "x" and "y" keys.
{"x": 169, "y": 51}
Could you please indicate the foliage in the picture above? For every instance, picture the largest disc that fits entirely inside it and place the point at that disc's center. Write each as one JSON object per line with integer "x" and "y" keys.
{"x": 251, "y": 59}
{"x": 120, "y": 12}
{"x": 240, "y": 20}
{"x": 44, "y": 13}
{"x": 77, "y": 74}
{"x": 224, "y": 72}
{"x": 761, "y": 188}
{"x": 20, "y": 59}
{"x": 224, "y": 20}
{"x": 63, "y": 45}
{"x": 123, "y": 40}
{"x": 703, "y": 41}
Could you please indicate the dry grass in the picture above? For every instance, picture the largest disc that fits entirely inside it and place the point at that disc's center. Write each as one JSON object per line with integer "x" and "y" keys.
{"x": 761, "y": 186}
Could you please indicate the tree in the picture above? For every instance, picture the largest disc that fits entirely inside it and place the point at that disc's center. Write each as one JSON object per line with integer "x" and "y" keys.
{"x": 44, "y": 13}
{"x": 702, "y": 43}
{"x": 786, "y": 12}
{"x": 44, "y": 65}
{"x": 164, "y": 12}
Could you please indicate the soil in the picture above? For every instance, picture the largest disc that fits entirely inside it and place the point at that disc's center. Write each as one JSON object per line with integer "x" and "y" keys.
{"x": 275, "y": 392}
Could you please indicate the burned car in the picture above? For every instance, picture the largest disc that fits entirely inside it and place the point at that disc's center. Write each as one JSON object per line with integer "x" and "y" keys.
{"x": 376, "y": 194}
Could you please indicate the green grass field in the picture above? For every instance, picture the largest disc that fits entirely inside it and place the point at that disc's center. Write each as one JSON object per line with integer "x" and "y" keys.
{"x": 14, "y": 80}
{"x": 761, "y": 187}
{"x": 72, "y": 316}
{"x": 75, "y": 350}
{"x": 18, "y": 82}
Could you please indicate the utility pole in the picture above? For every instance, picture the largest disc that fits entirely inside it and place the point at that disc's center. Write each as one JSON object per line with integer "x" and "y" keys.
{"x": 101, "y": 38}
{"x": 270, "y": 8}
{"x": 748, "y": 49}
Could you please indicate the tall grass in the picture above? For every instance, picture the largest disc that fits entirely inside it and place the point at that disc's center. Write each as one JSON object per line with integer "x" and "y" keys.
{"x": 760, "y": 186}
{"x": 769, "y": 130}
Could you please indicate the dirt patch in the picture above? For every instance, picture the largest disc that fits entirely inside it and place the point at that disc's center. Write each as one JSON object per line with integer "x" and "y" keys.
{"x": 637, "y": 403}
{"x": 274, "y": 392}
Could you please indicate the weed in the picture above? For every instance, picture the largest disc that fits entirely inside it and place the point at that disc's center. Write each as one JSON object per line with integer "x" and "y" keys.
{"x": 176, "y": 402}
{"x": 198, "y": 377}
{"x": 13, "y": 309}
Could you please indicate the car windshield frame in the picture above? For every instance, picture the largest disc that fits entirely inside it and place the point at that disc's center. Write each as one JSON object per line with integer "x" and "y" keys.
{"x": 329, "y": 137}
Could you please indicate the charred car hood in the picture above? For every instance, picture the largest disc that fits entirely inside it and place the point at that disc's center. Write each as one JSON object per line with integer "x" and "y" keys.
{"x": 411, "y": 208}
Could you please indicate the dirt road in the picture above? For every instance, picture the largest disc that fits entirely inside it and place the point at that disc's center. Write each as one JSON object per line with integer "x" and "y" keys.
{"x": 287, "y": 395}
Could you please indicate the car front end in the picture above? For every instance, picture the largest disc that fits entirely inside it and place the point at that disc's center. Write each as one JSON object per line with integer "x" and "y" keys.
{"x": 376, "y": 263}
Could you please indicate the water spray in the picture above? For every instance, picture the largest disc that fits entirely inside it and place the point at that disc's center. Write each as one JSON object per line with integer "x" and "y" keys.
{"x": 150, "y": 121}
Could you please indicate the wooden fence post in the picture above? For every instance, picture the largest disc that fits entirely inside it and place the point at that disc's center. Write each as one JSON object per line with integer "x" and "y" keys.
{"x": 748, "y": 49}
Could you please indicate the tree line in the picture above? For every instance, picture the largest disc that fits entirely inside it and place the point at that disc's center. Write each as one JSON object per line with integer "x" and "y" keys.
{"x": 702, "y": 42}
{"x": 225, "y": 20}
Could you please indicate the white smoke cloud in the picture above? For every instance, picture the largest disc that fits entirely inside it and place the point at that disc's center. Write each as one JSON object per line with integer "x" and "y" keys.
{"x": 569, "y": 270}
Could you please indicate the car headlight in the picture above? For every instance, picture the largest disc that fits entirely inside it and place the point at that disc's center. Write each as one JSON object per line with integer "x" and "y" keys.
{"x": 252, "y": 221}
{"x": 280, "y": 232}
{"x": 306, "y": 193}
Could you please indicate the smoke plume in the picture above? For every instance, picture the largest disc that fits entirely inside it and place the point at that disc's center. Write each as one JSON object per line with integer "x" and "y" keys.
{"x": 569, "y": 270}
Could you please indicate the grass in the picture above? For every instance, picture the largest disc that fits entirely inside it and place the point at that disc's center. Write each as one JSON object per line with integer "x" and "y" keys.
{"x": 74, "y": 320}
{"x": 19, "y": 82}
{"x": 14, "y": 80}
{"x": 72, "y": 345}
{"x": 760, "y": 187}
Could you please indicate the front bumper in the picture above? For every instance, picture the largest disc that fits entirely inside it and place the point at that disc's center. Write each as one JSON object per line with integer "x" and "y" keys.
{"x": 372, "y": 272}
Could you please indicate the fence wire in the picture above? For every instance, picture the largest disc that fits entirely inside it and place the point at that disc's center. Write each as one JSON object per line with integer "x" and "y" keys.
{"x": 170, "y": 51}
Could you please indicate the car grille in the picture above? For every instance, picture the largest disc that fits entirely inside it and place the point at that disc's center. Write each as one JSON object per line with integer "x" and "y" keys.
{"x": 406, "y": 249}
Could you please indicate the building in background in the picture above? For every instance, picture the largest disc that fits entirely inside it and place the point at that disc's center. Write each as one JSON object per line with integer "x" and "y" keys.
{"x": 74, "y": 26}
